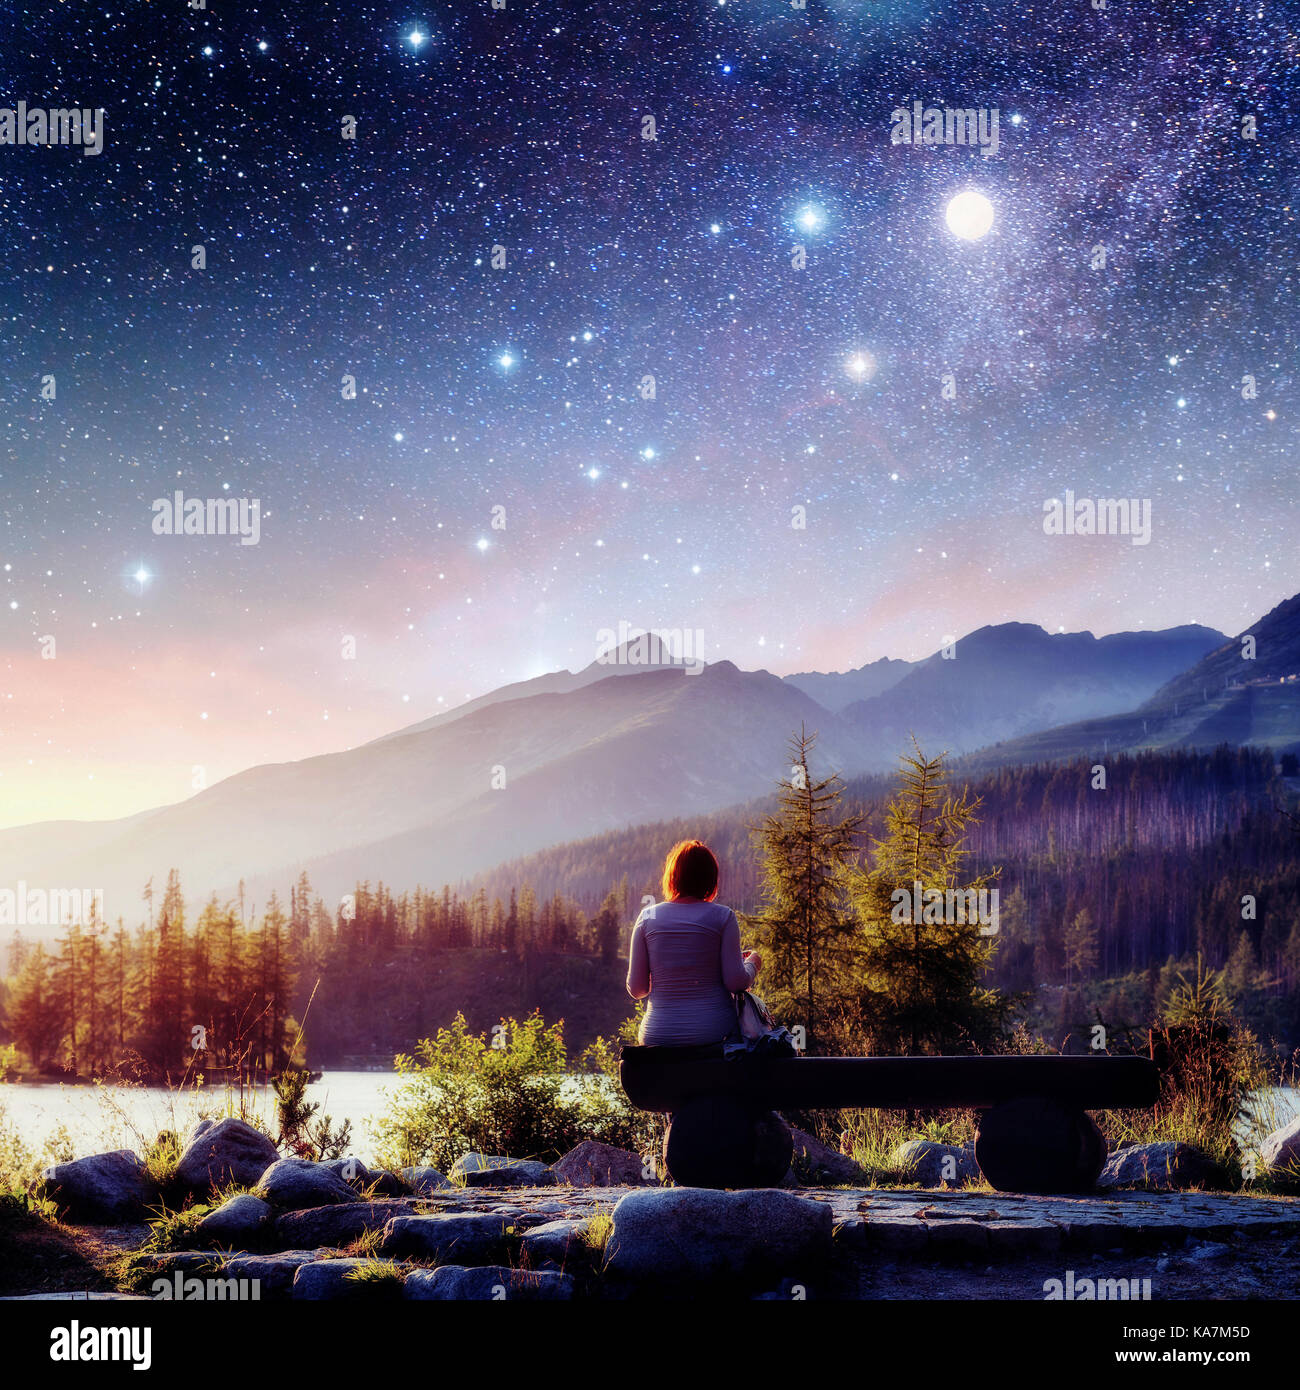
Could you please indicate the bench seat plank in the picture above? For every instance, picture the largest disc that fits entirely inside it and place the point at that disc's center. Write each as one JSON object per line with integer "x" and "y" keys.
{"x": 655, "y": 1079}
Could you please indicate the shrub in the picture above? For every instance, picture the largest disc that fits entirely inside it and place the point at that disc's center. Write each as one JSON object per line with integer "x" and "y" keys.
{"x": 512, "y": 1094}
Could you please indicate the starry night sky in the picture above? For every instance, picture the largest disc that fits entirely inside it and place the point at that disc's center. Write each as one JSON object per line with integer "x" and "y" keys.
{"x": 518, "y": 388}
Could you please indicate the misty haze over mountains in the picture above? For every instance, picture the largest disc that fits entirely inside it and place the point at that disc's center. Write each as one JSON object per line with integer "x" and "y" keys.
{"x": 569, "y": 755}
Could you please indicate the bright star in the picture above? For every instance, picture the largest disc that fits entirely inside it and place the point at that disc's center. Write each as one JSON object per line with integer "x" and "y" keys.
{"x": 861, "y": 366}
{"x": 715, "y": 229}
{"x": 481, "y": 543}
{"x": 810, "y": 218}
{"x": 415, "y": 39}
{"x": 969, "y": 215}
{"x": 506, "y": 361}
{"x": 593, "y": 473}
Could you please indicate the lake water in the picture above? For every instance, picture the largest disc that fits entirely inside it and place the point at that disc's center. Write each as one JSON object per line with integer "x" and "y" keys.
{"x": 114, "y": 1117}
{"x": 106, "y": 1117}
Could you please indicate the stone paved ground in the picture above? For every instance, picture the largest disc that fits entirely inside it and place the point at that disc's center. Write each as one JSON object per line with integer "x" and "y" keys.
{"x": 900, "y": 1243}
{"x": 939, "y": 1224}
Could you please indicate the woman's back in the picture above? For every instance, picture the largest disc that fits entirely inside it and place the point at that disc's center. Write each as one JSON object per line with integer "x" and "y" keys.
{"x": 688, "y": 955}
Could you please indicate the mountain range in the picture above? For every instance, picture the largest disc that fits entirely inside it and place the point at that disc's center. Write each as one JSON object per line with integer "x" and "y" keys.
{"x": 622, "y": 742}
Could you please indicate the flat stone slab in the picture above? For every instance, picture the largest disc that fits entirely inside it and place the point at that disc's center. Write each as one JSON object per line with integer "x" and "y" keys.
{"x": 929, "y": 1223}
{"x": 942, "y": 1223}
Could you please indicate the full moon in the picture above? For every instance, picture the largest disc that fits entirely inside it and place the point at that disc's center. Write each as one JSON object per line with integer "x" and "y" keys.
{"x": 969, "y": 215}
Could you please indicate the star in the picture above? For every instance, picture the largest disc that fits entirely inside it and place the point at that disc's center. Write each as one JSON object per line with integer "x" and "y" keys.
{"x": 969, "y": 215}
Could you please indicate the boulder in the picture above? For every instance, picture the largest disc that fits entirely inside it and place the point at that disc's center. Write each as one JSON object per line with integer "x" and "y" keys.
{"x": 275, "y": 1273}
{"x": 336, "y": 1225}
{"x": 351, "y": 1170}
{"x": 1161, "y": 1167}
{"x": 423, "y": 1179}
{"x": 554, "y": 1242}
{"x": 495, "y": 1283}
{"x": 485, "y": 1170}
{"x": 331, "y": 1279}
{"x": 1282, "y": 1148}
{"x": 103, "y": 1188}
{"x": 238, "y": 1224}
{"x": 931, "y": 1165}
{"x": 694, "y": 1234}
{"x": 820, "y": 1165}
{"x": 224, "y": 1151}
{"x": 468, "y": 1237}
{"x": 593, "y": 1164}
{"x": 298, "y": 1182}
{"x": 385, "y": 1183}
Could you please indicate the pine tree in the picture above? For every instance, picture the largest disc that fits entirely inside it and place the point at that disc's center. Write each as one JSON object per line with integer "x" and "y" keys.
{"x": 608, "y": 927}
{"x": 34, "y": 1013}
{"x": 804, "y": 934}
{"x": 922, "y": 978}
{"x": 1081, "y": 946}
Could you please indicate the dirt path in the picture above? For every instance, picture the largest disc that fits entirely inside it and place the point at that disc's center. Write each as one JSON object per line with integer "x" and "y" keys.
{"x": 46, "y": 1257}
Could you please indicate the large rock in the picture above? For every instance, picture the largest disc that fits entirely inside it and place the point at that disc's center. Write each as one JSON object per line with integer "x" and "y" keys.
{"x": 351, "y": 1170}
{"x": 1282, "y": 1148}
{"x": 422, "y": 1179}
{"x": 336, "y": 1225}
{"x": 274, "y": 1273}
{"x": 487, "y": 1170}
{"x": 554, "y": 1242}
{"x": 1162, "y": 1167}
{"x": 103, "y": 1188}
{"x": 698, "y": 1234}
{"x": 928, "y": 1164}
{"x": 820, "y": 1165}
{"x": 593, "y": 1164}
{"x": 298, "y": 1182}
{"x": 239, "y": 1224}
{"x": 468, "y": 1237}
{"x": 334, "y": 1279}
{"x": 224, "y": 1151}
{"x": 498, "y": 1283}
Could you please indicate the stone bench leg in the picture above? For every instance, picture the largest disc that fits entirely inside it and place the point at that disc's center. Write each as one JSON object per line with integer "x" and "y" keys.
{"x": 1039, "y": 1145}
{"x": 726, "y": 1141}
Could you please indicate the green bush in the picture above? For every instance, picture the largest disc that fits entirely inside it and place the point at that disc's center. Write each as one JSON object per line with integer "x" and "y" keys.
{"x": 511, "y": 1094}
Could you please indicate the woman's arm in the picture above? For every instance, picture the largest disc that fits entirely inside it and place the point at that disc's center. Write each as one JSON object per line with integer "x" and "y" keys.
{"x": 737, "y": 973}
{"x": 638, "y": 966}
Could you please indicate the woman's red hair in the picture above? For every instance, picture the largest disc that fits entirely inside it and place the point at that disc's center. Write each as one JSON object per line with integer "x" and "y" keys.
{"x": 690, "y": 871}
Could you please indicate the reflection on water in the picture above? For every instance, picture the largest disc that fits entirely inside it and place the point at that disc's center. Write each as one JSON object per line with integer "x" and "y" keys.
{"x": 116, "y": 1117}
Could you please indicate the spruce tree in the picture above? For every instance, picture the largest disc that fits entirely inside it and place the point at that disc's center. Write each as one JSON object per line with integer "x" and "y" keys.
{"x": 804, "y": 933}
{"x": 921, "y": 976}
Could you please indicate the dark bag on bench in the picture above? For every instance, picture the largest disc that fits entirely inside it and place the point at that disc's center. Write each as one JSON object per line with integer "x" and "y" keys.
{"x": 762, "y": 1035}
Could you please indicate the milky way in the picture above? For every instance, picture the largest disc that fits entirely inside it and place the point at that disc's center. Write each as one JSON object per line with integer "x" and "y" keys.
{"x": 740, "y": 378}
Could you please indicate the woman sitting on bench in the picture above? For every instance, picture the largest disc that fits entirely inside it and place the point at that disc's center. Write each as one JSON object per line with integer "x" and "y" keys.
{"x": 686, "y": 957}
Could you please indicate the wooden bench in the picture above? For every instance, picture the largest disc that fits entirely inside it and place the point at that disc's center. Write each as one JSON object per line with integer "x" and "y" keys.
{"x": 1034, "y": 1134}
